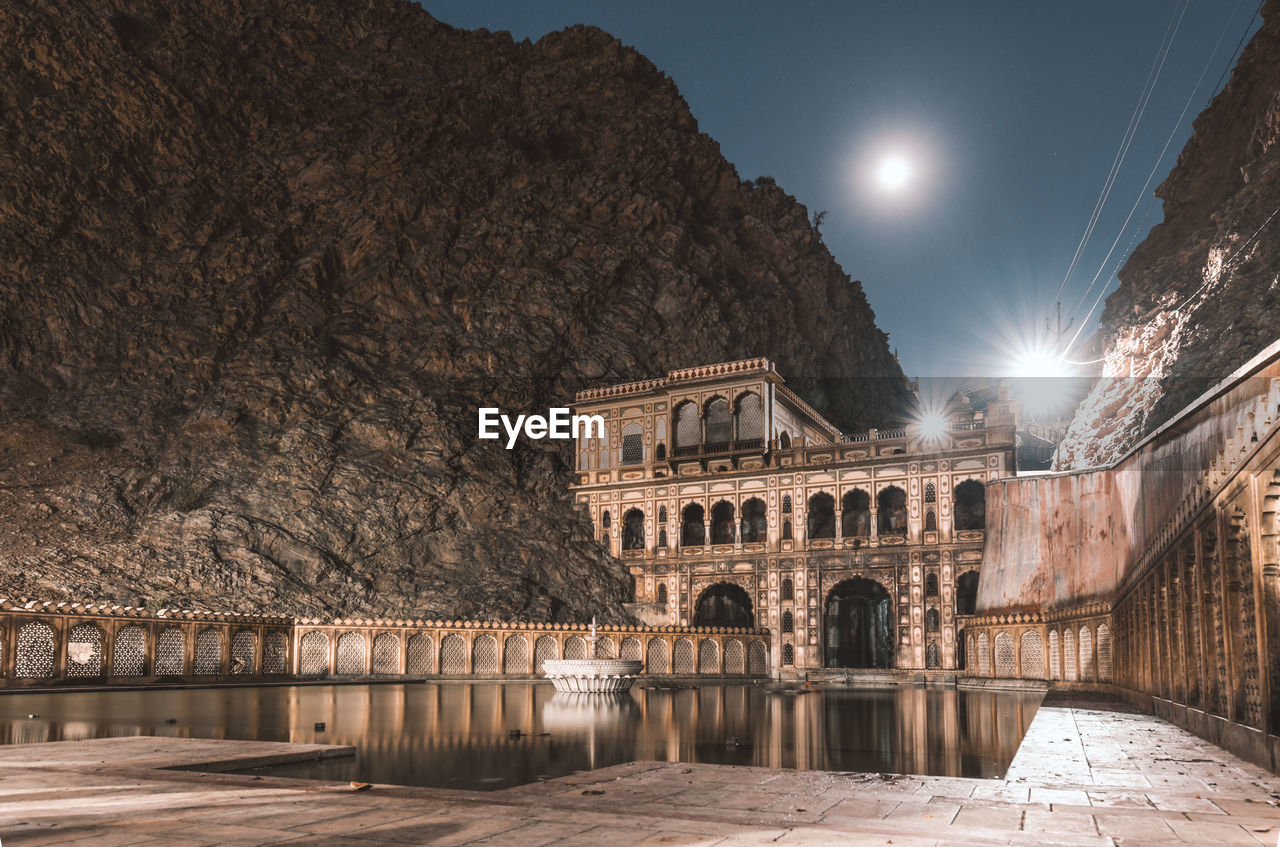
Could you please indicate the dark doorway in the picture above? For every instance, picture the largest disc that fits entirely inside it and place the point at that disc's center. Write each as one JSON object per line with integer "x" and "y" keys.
{"x": 723, "y": 604}
{"x": 722, "y": 523}
{"x": 859, "y": 626}
{"x": 822, "y": 516}
{"x": 692, "y": 531}
{"x": 893, "y": 511}
{"x": 967, "y": 593}
{"x": 755, "y": 524}
{"x": 971, "y": 505}
{"x": 855, "y": 516}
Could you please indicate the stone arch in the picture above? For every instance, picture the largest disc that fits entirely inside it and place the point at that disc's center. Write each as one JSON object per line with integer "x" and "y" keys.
{"x": 967, "y": 593}
{"x": 708, "y": 656}
{"x": 682, "y": 657}
{"x": 1104, "y": 652}
{"x": 662, "y": 593}
{"x": 970, "y": 512}
{"x": 515, "y": 655}
{"x": 735, "y": 657}
{"x": 544, "y": 648}
{"x": 693, "y": 532}
{"x": 84, "y": 651}
{"x": 36, "y": 651}
{"x": 757, "y": 658}
{"x": 788, "y": 654}
{"x": 208, "y": 652}
{"x": 313, "y": 649}
{"x": 1055, "y": 655}
{"x": 633, "y": 530}
{"x": 984, "y": 655}
{"x": 932, "y": 656}
{"x": 453, "y": 654}
{"x": 855, "y": 514}
{"x": 1087, "y": 668}
{"x": 351, "y": 654}
{"x": 723, "y": 604}
{"x": 749, "y": 418}
{"x": 723, "y": 523}
{"x": 891, "y": 515}
{"x": 630, "y": 649}
{"x": 656, "y": 656}
{"x": 931, "y": 620}
{"x": 484, "y": 654}
{"x": 1069, "y": 654}
{"x": 1006, "y": 666}
{"x": 717, "y": 424}
{"x": 420, "y": 654}
{"x": 788, "y": 622}
{"x": 575, "y": 647}
{"x": 130, "y": 653}
{"x": 755, "y": 521}
{"x": 821, "y": 516}
{"x": 244, "y": 652}
{"x": 1031, "y": 661}
{"x": 930, "y": 521}
{"x": 171, "y": 652}
{"x": 859, "y": 625}
{"x": 605, "y": 648}
{"x": 386, "y": 653}
{"x": 686, "y": 428}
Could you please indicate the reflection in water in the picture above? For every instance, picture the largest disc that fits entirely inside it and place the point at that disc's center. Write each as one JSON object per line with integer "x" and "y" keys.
{"x": 460, "y": 735}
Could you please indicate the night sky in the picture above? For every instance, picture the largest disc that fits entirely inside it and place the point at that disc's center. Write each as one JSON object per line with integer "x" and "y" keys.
{"x": 1009, "y": 113}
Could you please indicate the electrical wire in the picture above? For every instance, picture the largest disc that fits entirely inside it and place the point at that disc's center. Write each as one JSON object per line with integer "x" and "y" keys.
{"x": 1139, "y": 109}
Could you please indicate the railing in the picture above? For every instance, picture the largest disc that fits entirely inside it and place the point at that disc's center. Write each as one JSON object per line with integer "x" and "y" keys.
{"x": 46, "y": 645}
{"x": 718, "y": 448}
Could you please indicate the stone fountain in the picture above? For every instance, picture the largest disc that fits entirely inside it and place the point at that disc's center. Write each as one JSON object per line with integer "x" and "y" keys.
{"x": 592, "y": 675}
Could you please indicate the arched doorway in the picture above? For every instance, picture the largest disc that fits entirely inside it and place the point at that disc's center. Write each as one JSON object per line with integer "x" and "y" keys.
{"x": 859, "y": 626}
{"x": 967, "y": 593}
{"x": 971, "y": 506}
{"x": 723, "y": 604}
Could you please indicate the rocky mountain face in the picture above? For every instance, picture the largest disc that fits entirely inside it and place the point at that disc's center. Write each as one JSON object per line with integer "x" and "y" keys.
{"x": 264, "y": 261}
{"x": 1200, "y": 296}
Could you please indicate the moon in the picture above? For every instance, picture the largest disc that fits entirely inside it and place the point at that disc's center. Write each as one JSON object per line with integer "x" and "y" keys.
{"x": 894, "y": 172}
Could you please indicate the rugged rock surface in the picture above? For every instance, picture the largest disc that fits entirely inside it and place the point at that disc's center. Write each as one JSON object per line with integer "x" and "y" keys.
{"x": 263, "y": 261}
{"x": 1200, "y": 296}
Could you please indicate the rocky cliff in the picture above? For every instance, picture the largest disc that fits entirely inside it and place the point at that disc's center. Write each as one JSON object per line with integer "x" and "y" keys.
{"x": 1200, "y": 296}
{"x": 263, "y": 261}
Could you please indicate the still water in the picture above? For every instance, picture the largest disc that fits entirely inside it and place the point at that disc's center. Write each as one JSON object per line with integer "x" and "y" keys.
{"x": 459, "y": 735}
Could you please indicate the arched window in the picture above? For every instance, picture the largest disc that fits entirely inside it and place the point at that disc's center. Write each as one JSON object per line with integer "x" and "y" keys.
{"x": 604, "y": 540}
{"x": 749, "y": 418}
{"x": 692, "y": 532}
{"x": 892, "y": 518}
{"x": 788, "y": 654}
{"x": 932, "y": 659}
{"x": 822, "y": 516}
{"x": 719, "y": 427}
{"x": 633, "y": 530}
{"x": 661, "y": 452}
{"x": 786, "y": 529}
{"x": 931, "y": 585}
{"x": 662, "y": 537}
{"x": 688, "y": 428}
{"x": 662, "y": 514}
{"x": 855, "y": 514}
{"x": 971, "y": 505}
{"x": 582, "y": 459}
{"x": 931, "y": 620}
{"x": 967, "y": 593}
{"x": 722, "y": 523}
{"x": 606, "y": 520}
{"x": 786, "y": 504}
{"x": 632, "y": 444}
{"x": 662, "y": 593}
{"x": 930, "y": 493}
{"x": 788, "y": 590}
{"x": 755, "y": 524}
{"x": 930, "y": 521}
{"x": 788, "y": 622}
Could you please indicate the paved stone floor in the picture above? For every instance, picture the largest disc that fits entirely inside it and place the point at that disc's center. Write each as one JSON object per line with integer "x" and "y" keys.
{"x": 1087, "y": 773}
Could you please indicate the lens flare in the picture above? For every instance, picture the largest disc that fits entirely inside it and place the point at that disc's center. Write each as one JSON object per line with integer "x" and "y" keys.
{"x": 893, "y": 172}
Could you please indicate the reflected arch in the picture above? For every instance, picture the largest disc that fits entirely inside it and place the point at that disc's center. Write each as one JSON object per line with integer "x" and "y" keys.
{"x": 859, "y": 625}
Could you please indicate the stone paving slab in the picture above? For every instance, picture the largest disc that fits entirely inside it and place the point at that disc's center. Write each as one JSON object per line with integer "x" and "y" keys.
{"x": 1086, "y": 774}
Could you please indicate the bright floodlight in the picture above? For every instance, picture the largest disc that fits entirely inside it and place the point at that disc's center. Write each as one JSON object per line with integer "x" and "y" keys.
{"x": 1041, "y": 377}
{"x": 893, "y": 172}
{"x": 933, "y": 425}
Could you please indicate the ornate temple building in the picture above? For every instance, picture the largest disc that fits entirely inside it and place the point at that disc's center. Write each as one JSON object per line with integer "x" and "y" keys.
{"x": 736, "y": 504}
